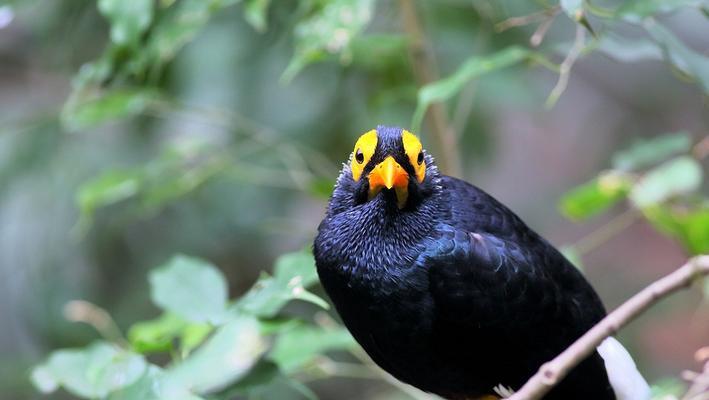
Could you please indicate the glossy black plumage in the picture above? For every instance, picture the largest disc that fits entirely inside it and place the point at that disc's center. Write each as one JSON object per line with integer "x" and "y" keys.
{"x": 453, "y": 293}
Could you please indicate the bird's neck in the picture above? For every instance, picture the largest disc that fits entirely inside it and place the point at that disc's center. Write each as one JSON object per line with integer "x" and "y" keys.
{"x": 377, "y": 234}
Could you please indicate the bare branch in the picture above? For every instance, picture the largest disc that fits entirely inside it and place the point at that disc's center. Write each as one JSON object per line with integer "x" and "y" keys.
{"x": 699, "y": 381}
{"x": 565, "y": 67}
{"x": 538, "y": 16}
{"x": 552, "y": 372}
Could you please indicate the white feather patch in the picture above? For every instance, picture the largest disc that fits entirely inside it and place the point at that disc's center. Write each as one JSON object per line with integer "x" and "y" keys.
{"x": 625, "y": 379}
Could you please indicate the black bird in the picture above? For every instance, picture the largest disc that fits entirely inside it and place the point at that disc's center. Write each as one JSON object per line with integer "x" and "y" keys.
{"x": 447, "y": 289}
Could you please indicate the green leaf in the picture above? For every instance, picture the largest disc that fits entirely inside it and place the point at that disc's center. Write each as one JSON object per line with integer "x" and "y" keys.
{"x": 91, "y": 372}
{"x": 84, "y": 111}
{"x": 153, "y": 385}
{"x": 190, "y": 288}
{"x": 110, "y": 187}
{"x": 687, "y": 223}
{"x": 572, "y": 8}
{"x": 129, "y": 19}
{"x": 668, "y": 388}
{"x": 255, "y": 13}
{"x": 594, "y": 197}
{"x": 328, "y": 32}
{"x": 156, "y": 335}
{"x": 677, "y": 176}
{"x": 299, "y": 346}
{"x": 177, "y": 27}
{"x": 224, "y": 358}
{"x": 637, "y": 10}
{"x": 292, "y": 274}
{"x": 473, "y": 67}
{"x": 685, "y": 59}
{"x": 628, "y": 50}
{"x": 648, "y": 152}
{"x": 159, "y": 334}
{"x": 262, "y": 374}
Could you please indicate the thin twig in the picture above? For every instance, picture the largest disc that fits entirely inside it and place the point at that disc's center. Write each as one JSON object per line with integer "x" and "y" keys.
{"x": 95, "y": 316}
{"x": 539, "y": 34}
{"x": 565, "y": 67}
{"x": 606, "y": 232}
{"x": 552, "y": 372}
{"x": 425, "y": 72}
{"x": 538, "y": 16}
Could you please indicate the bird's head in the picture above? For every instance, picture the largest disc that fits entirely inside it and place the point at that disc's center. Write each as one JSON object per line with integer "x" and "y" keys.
{"x": 390, "y": 164}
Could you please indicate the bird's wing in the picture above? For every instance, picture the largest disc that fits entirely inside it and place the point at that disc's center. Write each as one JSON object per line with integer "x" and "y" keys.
{"x": 518, "y": 304}
{"x": 486, "y": 280}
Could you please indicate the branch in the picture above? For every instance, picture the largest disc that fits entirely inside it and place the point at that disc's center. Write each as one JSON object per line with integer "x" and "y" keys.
{"x": 425, "y": 72}
{"x": 699, "y": 381}
{"x": 552, "y": 372}
{"x": 565, "y": 67}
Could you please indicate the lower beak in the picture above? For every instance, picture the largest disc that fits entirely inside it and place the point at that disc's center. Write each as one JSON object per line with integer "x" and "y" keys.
{"x": 389, "y": 174}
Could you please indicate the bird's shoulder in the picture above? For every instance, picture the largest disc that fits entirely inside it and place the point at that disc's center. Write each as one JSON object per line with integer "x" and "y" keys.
{"x": 482, "y": 256}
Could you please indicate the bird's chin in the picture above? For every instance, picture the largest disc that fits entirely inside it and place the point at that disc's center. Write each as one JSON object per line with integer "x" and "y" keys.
{"x": 390, "y": 198}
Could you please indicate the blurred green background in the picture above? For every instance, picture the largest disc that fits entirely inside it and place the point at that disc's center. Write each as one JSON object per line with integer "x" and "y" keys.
{"x": 132, "y": 131}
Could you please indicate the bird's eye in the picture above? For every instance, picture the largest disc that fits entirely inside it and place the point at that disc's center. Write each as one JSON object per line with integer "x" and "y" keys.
{"x": 419, "y": 159}
{"x": 359, "y": 156}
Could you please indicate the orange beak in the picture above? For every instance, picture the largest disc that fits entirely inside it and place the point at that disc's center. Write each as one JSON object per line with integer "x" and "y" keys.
{"x": 389, "y": 174}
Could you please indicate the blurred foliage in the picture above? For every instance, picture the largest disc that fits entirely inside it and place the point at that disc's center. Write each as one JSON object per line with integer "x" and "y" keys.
{"x": 217, "y": 347}
{"x": 351, "y": 61}
{"x": 661, "y": 179}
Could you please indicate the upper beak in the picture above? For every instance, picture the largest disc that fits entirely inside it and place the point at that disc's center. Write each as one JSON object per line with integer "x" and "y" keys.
{"x": 389, "y": 174}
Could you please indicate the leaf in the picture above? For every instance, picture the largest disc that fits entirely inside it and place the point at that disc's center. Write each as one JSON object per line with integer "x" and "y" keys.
{"x": 190, "y": 288}
{"x": 153, "y": 385}
{"x": 572, "y": 8}
{"x": 224, "y": 358}
{"x": 627, "y": 50}
{"x": 255, "y": 13}
{"x": 177, "y": 27}
{"x": 262, "y": 374}
{"x": 648, "y": 152}
{"x": 637, "y": 10}
{"x": 685, "y": 59}
{"x": 327, "y": 32}
{"x": 677, "y": 176}
{"x": 689, "y": 224}
{"x": 156, "y": 335}
{"x": 292, "y": 274}
{"x": 91, "y": 372}
{"x": 668, "y": 388}
{"x": 110, "y": 187}
{"x": 594, "y": 197}
{"x": 129, "y": 19}
{"x": 86, "y": 111}
{"x": 473, "y": 67}
{"x": 297, "y": 347}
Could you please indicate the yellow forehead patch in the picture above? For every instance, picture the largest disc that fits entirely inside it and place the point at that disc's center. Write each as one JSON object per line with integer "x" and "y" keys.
{"x": 414, "y": 150}
{"x": 363, "y": 152}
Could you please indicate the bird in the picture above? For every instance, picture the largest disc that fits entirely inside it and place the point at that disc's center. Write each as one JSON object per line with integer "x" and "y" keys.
{"x": 447, "y": 289}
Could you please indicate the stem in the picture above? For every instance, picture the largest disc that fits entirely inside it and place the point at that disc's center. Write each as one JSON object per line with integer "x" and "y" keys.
{"x": 565, "y": 68}
{"x": 606, "y": 232}
{"x": 552, "y": 372}
{"x": 425, "y": 72}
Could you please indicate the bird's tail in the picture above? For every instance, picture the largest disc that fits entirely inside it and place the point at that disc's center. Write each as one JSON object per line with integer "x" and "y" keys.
{"x": 625, "y": 379}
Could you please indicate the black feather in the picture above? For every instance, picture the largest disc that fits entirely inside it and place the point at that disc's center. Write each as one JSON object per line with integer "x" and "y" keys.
{"x": 453, "y": 294}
